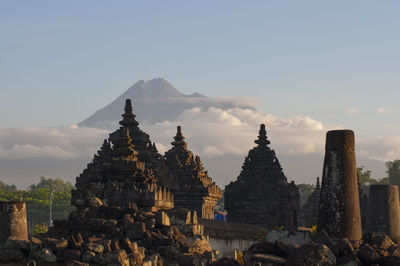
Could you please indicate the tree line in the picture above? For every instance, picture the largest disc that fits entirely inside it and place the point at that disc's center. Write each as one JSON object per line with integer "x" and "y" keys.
{"x": 37, "y": 198}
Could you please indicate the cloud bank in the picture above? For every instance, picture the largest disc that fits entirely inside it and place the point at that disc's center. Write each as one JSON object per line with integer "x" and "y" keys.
{"x": 211, "y": 133}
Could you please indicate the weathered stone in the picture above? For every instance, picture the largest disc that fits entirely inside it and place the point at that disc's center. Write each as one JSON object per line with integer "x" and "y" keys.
{"x": 99, "y": 259}
{"x": 187, "y": 179}
{"x": 312, "y": 254}
{"x": 48, "y": 256}
{"x": 200, "y": 245}
{"x": 127, "y": 153}
{"x": 117, "y": 258}
{"x": 252, "y": 198}
{"x": 150, "y": 223}
{"x": 384, "y": 211}
{"x": 348, "y": 260}
{"x": 97, "y": 248}
{"x": 378, "y": 240}
{"x": 154, "y": 259}
{"x": 88, "y": 255}
{"x": 323, "y": 238}
{"x": 367, "y": 254}
{"x": 339, "y": 207}
{"x": 265, "y": 247}
{"x": 389, "y": 261}
{"x": 94, "y": 203}
{"x": 13, "y": 222}
{"x": 16, "y": 244}
{"x": 136, "y": 231}
{"x": 11, "y": 254}
{"x": 225, "y": 262}
{"x": 61, "y": 244}
{"x": 162, "y": 219}
{"x": 76, "y": 240}
{"x": 343, "y": 247}
{"x": 72, "y": 254}
{"x": 265, "y": 259}
{"x": 75, "y": 263}
{"x": 119, "y": 198}
{"x": 36, "y": 243}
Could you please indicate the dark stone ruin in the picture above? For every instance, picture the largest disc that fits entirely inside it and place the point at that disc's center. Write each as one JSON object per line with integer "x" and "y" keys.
{"x": 261, "y": 194}
{"x": 13, "y": 231}
{"x": 339, "y": 208}
{"x": 384, "y": 211}
{"x": 187, "y": 179}
{"x": 124, "y": 215}
{"x": 136, "y": 207}
{"x": 339, "y": 239}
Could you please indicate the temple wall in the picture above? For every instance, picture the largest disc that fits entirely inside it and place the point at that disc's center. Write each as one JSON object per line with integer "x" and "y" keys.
{"x": 226, "y": 247}
{"x": 228, "y": 237}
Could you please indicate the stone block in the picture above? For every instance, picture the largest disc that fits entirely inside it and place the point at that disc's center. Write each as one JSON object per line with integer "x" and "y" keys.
{"x": 11, "y": 254}
{"x": 162, "y": 219}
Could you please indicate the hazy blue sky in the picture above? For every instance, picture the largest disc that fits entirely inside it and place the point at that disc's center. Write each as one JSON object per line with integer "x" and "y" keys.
{"x": 61, "y": 61}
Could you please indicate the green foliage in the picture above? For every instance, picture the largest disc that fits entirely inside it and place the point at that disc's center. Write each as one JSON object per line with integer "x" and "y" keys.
{"x": 365, "y": 179}
{"x": 393, "y": 171}
{"x": 37, "y": 199}
{"x": 39, "y": 229}
{"x": 56, "y": 184}
{"x": 305, "y": 191}
{"x": 5, "y": 187}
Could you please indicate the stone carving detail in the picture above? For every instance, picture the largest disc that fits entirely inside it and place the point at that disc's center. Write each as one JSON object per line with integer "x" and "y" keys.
{"x": 187, "y": 179}
{"x": 261, "y": 194}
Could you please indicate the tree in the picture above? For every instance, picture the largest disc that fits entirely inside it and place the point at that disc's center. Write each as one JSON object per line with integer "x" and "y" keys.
{"x": 56, "y": 184}
{"x": 5, "y": 187}
{"x": 393, "y": 171}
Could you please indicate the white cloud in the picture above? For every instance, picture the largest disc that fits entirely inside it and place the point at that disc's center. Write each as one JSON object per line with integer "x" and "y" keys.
{"x": 210, "y": 132}
{"x": 215, "y": 131}
{"x": 352, "y": 111}
{"x": 64, "y": 143}
{"x": 383, "y": 111}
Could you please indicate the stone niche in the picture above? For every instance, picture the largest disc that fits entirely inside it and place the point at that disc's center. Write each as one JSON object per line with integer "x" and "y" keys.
{"x": 261, "y": 194}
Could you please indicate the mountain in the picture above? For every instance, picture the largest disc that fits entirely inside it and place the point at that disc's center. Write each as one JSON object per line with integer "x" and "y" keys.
{"x": 154, "y": 101}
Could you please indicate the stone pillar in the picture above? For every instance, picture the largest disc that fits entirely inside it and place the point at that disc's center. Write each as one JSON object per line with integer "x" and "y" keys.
{"x": 384, "y": 211}
{"x": 339, "y": 207}
{"x": 13, "y": 221}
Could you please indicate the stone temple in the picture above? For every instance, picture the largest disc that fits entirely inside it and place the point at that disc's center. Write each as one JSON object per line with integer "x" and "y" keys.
{"x": 187, "y": 179}
{"x": 179, "y": 172}
{"x": 261, "y": 194}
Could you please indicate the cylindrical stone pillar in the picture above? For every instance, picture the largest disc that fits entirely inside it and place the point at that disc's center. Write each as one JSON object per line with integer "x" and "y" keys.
{"x": 384, "y": 211}
{"x": 339, "y": 206}
{"x": 13, "y": 221}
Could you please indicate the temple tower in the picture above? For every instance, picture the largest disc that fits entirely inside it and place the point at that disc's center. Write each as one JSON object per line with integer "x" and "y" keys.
{"x": 192, "y": 186}
{"x": 383, "y": 211}
{"x": 261, "y": 194}
{"x": 339, "y": 207}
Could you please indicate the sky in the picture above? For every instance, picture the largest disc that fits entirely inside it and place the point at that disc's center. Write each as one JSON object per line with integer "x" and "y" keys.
{"x": 336, "y": 62}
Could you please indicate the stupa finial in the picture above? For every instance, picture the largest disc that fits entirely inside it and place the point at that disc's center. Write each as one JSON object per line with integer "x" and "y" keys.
{"x": 128, "y": 116}
{"x": 262, "y": 137}
{"x": 179, "y": 138}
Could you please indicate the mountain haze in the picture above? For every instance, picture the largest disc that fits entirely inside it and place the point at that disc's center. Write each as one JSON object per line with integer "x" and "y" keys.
{"x": 154, "y": 101}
